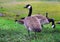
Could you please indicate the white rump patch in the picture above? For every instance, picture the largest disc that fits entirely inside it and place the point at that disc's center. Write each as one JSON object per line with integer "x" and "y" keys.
{"x": 30, "y": 29}
{"x": 52, "y": 26}
{"x": 29, "y": 7}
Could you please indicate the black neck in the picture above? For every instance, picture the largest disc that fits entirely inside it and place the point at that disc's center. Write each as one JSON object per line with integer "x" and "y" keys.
{"x": 30, "y": 11}
{"x": 53, "y": 21}
{"x": 50, "y": 20}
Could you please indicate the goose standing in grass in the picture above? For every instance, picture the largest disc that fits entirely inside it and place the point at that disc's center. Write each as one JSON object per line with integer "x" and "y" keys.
{"x": 43, "y": 19}
{"x": 32, "y": 24}
{"x": 51, "y": 20}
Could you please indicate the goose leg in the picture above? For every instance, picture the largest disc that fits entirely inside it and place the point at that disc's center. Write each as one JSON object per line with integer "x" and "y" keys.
{"x": 35, "y": 35}
{"x": 28, "y": 33}
{"x": 42, "y": 26}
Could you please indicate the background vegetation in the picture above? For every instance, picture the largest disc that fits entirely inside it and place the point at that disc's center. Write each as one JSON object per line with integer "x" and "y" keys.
{"x": 13, "y": 8}
{"x": 10, "y": 31}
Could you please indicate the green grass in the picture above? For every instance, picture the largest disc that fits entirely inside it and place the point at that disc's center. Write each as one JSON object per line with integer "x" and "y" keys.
{"x": 15, "y": 32}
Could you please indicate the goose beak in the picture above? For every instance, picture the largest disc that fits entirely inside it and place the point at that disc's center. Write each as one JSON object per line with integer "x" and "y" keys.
{"x": 25, "y": 7}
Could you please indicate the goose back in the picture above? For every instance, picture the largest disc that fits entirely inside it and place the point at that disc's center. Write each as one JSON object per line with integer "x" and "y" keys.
{"x": 32, "y": 24}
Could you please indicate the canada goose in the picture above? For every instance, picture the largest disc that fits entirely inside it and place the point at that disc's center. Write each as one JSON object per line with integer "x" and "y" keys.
{"x": 43, "y": 18}
{"x": 50, "y": 20}
{"x": 32, "y": 24}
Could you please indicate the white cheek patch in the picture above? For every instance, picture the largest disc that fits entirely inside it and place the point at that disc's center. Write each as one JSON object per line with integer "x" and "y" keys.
{"x": 52, "y": 26}
{"x": 29, "y": 7}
